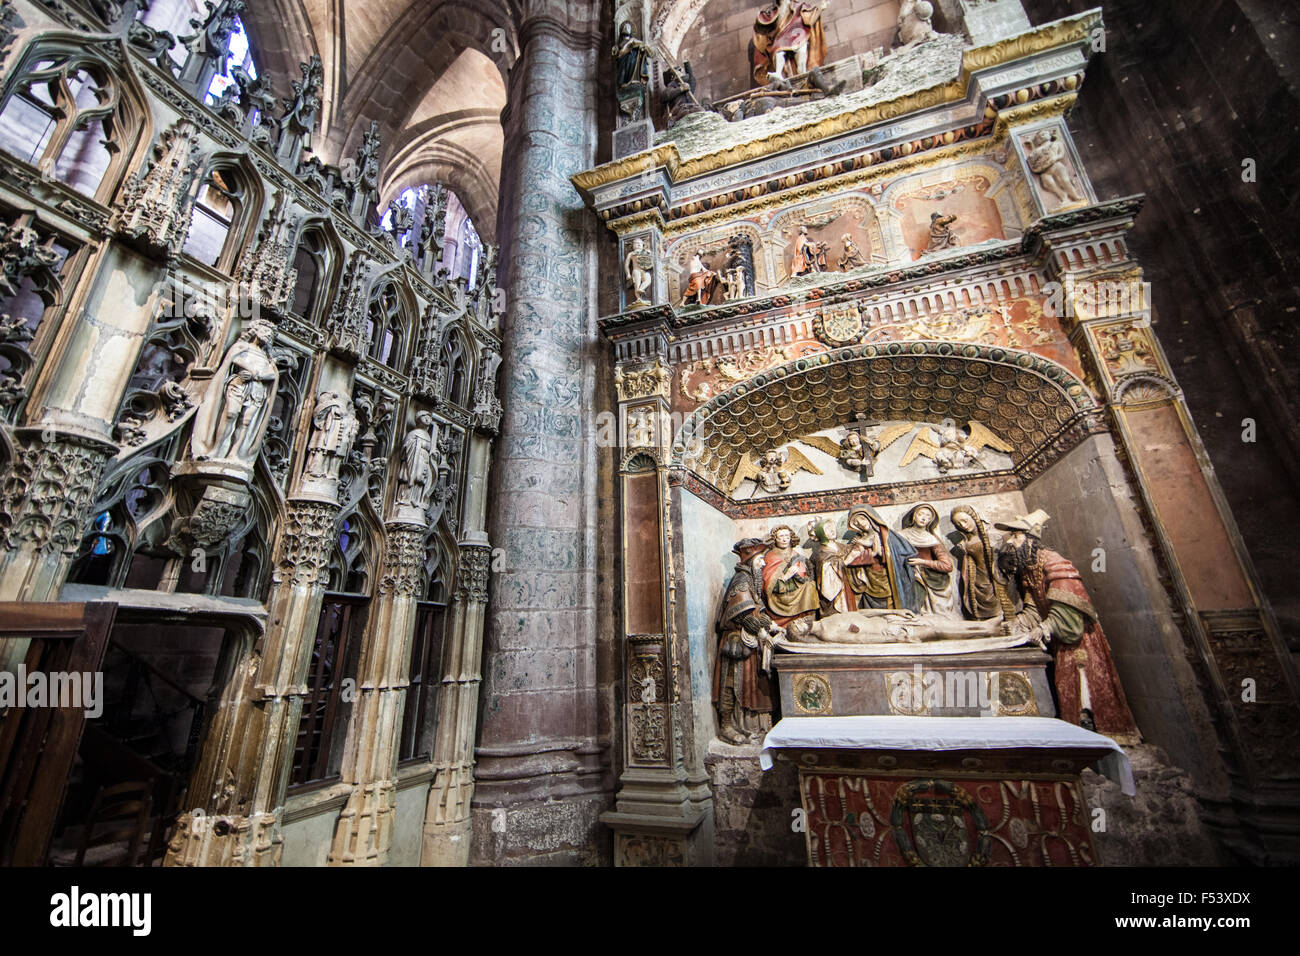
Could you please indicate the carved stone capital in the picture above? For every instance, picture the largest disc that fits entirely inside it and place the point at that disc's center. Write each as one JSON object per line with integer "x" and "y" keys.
{"x": 47, "y": 494}
{"x": 472, "y": 577}
{"x": 306, "y": 543}
{"x": 403, "y": 560}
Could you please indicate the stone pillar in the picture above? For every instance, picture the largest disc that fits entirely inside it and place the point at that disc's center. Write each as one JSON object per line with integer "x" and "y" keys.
{"x": 237, "y": 790}
{"x": 365, "y": 827}
{"x": 664, "y": 811}
{"x": 447, "y": 821}
{"x": 49, "y": 487}
{"x": 539, "y": 787}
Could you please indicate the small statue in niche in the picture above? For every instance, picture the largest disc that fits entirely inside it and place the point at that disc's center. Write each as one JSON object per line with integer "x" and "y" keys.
{"x": 638, "y": 268}
{"x": 942, "y": 235}
{"x": 631, "y": 73}
{"x": 419, "y": 468}
{"x": 702, "y": 282}
{"x": 733, "y": 285}
{"x": 741, "y": 692}
{"x": 789, "y": 39}
{"x": 852, "y": 257}
{"x": 932, "y": 565}
{"x": 1057, "y": 607}
{"x": 914, "y": 22}
{"x": 983, "y": 591}
{"x": 640, "y": 428}
{"x": 236, "y": 405}
{"x": 740, "y": 266}
{"x": 1045, "y": 154}
{"x": 335, "y": 427}
{"x": 809, "y": 255}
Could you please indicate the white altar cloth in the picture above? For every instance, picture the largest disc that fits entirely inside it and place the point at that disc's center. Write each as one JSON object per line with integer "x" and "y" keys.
{"x": 945, "y": 733}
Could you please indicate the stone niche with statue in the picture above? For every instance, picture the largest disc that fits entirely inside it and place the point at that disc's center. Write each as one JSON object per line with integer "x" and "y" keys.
{"x": 893, "y": 431}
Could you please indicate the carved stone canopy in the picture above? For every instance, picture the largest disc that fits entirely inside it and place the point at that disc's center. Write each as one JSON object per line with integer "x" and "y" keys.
{"x": 1024, "y": 398}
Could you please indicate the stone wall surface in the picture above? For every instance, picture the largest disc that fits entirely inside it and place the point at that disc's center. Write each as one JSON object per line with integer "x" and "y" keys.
{"x": 1160, "y": 826}
{"x": 1181, "y": 97}
{"x": 753, "y": 810}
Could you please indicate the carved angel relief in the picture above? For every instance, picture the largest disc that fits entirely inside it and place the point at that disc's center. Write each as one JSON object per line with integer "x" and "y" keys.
{"x": 772, "y": 471}
{"x": 858, "y": 448}
{"x": 952, "y": 449}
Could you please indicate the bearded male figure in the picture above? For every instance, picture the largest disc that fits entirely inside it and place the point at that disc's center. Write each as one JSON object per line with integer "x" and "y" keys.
{"x": 742, "y": 693}
{"x": 1088, "y": 690}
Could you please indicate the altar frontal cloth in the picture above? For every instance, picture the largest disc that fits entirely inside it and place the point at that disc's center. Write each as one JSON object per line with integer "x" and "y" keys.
{"x": 945, "y": 734}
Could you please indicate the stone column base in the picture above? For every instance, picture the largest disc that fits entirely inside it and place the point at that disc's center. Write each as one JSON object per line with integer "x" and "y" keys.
{"x": 643, "y": 839}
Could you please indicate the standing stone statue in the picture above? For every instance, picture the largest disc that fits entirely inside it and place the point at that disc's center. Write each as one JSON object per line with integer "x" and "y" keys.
{"x": 877, "y": 564}
{"x": 789, "y": 39}
{"x": 631, "y": 74}
{"x": 932, "y": 565}
{"x": 334, "y": 428}
{"x": 233, "y": 416}
{"x": 638, "y": 267}
{"x": 418, "y": 473}
{"x": 809, "y": 254}
{"x": 983, "y": 591}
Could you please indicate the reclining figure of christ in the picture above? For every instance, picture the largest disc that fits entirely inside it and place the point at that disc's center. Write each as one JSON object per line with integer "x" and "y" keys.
{"x": 888, "y": 626}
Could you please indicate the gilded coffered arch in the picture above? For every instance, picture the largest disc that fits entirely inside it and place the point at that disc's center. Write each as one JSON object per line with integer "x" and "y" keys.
{"x": 1030, "y": 401}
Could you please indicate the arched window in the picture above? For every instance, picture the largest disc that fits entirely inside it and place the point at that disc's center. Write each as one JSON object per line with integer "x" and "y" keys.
{"x": 455, "y": 370}
{"x": 178, "y": 18}
{"x": 318, "y": 753}
{"x": 312, "y": 262}
{"x": 30, "y": 287}
{"x": 385, "y": 321}
{"x": 420, "y": 716}
{"x": 65, "y": 115}
{"x": 217, "y": 211}
{"x": 462, "y": 249}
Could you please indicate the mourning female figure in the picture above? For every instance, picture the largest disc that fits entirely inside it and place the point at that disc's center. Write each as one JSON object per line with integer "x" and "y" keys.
{"x": 983, "y": 593}
{"x": 932, "y": 565}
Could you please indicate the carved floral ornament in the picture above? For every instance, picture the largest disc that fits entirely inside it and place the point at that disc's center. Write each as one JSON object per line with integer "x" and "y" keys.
{"x": 1028, "y": 400}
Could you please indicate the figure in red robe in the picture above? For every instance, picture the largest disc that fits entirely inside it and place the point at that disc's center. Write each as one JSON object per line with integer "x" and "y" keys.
{"x": 788, "y": 40}
{"x": 701, "y": 284}
{"x": 1088, "y": 691}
